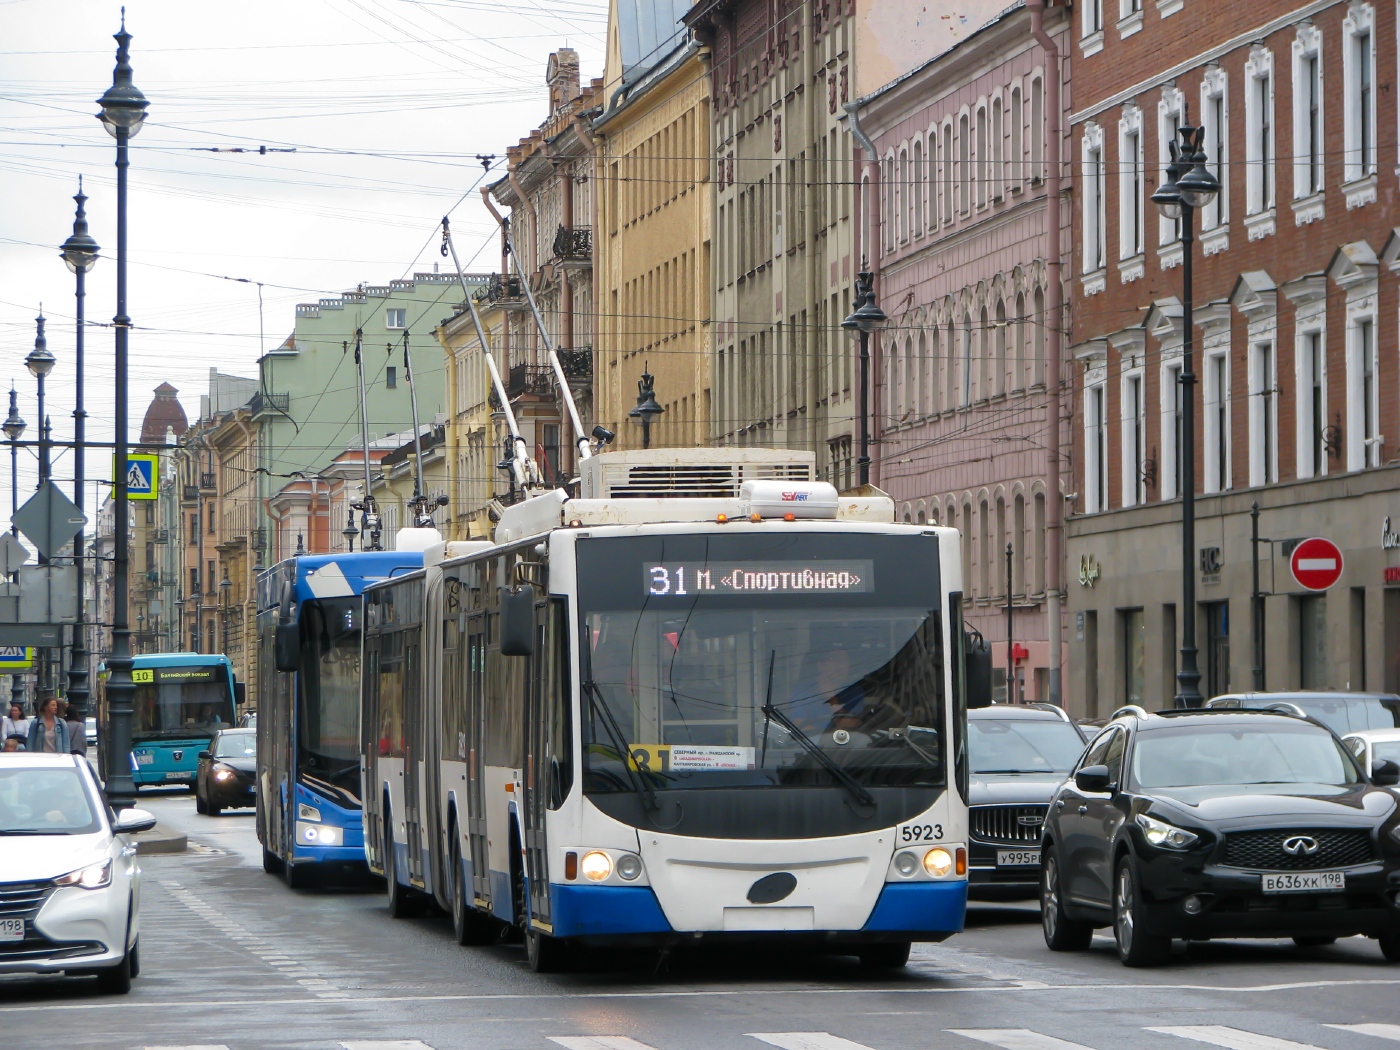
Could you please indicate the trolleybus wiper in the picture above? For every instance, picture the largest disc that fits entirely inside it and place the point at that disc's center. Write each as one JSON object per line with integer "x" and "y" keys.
{"x": 600, "y": 707}
{"x": 855, "y": 790}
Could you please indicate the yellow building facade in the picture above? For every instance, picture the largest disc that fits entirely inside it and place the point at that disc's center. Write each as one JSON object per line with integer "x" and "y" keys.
{"x": 475, "y": 426}
{"x": 652, "y": 252}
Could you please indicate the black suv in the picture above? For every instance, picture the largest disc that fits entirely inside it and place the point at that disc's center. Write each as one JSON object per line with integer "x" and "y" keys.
{"x": 1020, "y": 753}
{"x": 1228, "y": 823}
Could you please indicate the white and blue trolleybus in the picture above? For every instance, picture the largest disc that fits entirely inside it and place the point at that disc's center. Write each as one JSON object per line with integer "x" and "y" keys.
{"x": 705, "y": 700}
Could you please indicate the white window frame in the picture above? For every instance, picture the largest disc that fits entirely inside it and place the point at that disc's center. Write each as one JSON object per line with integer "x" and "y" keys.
{"x": 1093, "y": 209}
{"x": 1091, "y": 27}
{"x": 393, "y": 314}
{"x": 1172, "y": 404}
{"x": 1215, "y": 117}
{"x": 1263, "y": 411}
{"x": 1129, "y": 18}
{"x": 1169, "y": 117}
{"x": 1261, "y": 156}
{"x": 1133, "y": 433}
{"x": 1309, "y": 297}
{"x": 1359, "y": 159}
{"x": 1363, "y": 450}
{"x": 1132, "y": 196}
{"x": 1216, "y": 432}
{"x": 1309, "y": 146}
{"x": 1096, "y": 440}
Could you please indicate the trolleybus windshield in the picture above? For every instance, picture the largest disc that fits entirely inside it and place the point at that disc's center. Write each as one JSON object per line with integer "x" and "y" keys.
{"x": 180, "y": 702}
{"x": 328, "y": 723}
{"x": 790, "y": 661}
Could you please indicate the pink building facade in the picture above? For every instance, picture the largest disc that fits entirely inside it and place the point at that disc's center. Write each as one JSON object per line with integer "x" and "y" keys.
{"x": 956, "y": 229}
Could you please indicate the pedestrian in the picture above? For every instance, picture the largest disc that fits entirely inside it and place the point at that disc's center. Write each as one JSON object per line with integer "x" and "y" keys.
{"x": 77, "y": 730}
{"x": 48, "y": 733}
{"x": 14, "y": 723}
{"x": 13, "y": 743}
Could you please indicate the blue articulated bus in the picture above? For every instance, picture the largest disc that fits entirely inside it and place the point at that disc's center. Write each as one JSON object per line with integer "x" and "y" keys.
{"x": 181, "y": 699}
{"x": 309, "y": 619}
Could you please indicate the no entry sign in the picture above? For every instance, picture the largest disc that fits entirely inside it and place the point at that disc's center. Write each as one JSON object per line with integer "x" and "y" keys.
{"x": 1316, "y": 564}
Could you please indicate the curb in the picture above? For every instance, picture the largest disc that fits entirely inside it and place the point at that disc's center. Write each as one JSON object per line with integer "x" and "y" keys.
{"x": 159, "y": 841}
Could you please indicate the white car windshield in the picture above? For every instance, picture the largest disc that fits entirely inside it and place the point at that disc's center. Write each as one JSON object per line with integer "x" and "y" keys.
{"x": 1199, "y": 756}
{"x": 45, "y": 801}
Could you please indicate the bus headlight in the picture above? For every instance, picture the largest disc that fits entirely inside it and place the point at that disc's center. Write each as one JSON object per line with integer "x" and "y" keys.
{"x": 906, "y": 863}
{"x": 938, "y": 862}
{"x": 319, "y": 835}
{"x": 629, "y": 867}
{"x": 596, "y": 865}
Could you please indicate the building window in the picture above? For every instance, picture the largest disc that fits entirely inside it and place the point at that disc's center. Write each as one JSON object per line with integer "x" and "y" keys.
{"x": 1259, "y": 137}
{"x": 1134, "y": 441}
{"x": 1134, "y": 627}
{"x": 1017, "y": 159}
{"x": 396, "y": 317}
{"x": 1037, "y": 130}
{"x": 391, "y": 377}
{"x": 1312, "y": 404}
{"x": 1169, "y": 110}
{"x": 1096, "y": 448}
{"x": 194, "y": 529}
{"x": 1131, "y": 198}
{"x": 1171, "y": 431}
{"x": 1093, "y": 215}
{"x": 1363, "y": 438}
{"x": 1215, "y": 106}
{"x": 1217, "y": 429}
{"x": 1359, "y": 95}
{"x": 1217, "y": 648}
{"x": 1312, "y": 641}
{"x": 916, "y": 188}
{"x": 1091, "y": 31}
{"x": 1307, "y": 113}
{"x": 1263, "y": 416}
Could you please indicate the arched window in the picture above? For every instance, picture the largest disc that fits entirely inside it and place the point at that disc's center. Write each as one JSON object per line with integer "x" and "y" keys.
{"x": 985, "y": 554}
{"x": 965, "y": 525}
{"x": 1038, "y": 557}
{"x": 916, "y": 190}
{"x": 1018, "y": 539}
{"x": 1038, "y": 339}
{"x": 983, "y": 161}
{"x": 946, "y": 177}
{"x": 1016, "y": 154}
{"x": 921, "y": 369}
{"x": 1018, "y": 342}
{"x": 999, "y": 342}
{"x": 901, "y": 197}
{"x": 964, "y": 167}
{"x": 998, "y": 154}
{"x": 984, "y": 381}
{"x": 1037, "y": 129}
{"x": 966, "y": 366}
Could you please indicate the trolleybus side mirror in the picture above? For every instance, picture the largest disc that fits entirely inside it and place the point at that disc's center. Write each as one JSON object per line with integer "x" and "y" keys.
{"x": 240, "y": 693}
{"x": 517, "y": 621}
{"x": 978, "y": 662}
{"x": 286, "y": 646}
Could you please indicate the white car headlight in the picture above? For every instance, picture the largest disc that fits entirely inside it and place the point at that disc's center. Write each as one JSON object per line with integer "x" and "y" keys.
{"x": 223, "y": 773}
{"x": 93, "y": 877}
{"x": 1167, "y": 836}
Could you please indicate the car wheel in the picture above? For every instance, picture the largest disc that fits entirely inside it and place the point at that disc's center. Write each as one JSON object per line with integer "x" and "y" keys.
{"x": 1062, "y": 934}
{"x": 199, "y": 806}
{"x": 884, "y": 956}
{"x": 1314, "y": 942}
{"x": 116, "y": 980}
{"x": 1135, "y": 948}
{"x": 1390, "y": 946}
{"x": 213, "y": 809}
{"x": 546, "y": 954}
{"x": 469, "y": 926}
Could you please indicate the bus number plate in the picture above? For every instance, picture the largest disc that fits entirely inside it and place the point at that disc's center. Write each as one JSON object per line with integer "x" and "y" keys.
{"x": 144, "y": 758}
{"x": 920, "y": 832}
{"x": 143, "y": 675}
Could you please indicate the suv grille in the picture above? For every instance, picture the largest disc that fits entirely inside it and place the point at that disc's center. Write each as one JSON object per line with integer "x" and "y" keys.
{"x": 1013, "y": 825}
{"x": 1336, "y": 848}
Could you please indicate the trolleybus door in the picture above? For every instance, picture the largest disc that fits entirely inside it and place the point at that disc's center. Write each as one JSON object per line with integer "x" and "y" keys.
{"x": 476, "y": 758}
{"x": 431, "y": 704}
{"x": 371, "y": 731}
{"x": 413, "y": 755}
{"x": 537, "y": 768}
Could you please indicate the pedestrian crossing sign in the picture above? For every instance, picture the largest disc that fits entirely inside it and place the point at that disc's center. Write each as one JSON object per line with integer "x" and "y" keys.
{"x": 16, "y": 658}
{"x": 142, "y": 475}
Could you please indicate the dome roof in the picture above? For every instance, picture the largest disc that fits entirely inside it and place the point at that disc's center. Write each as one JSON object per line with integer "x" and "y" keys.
{"x": 165, "y": 412}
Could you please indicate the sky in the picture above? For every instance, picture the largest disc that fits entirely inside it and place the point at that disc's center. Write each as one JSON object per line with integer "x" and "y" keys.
{"x": 387, "y": 103}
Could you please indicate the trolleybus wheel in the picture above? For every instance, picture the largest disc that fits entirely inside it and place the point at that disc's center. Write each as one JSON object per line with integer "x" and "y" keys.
{"x": 546, "y": 954}
{"x": 468, "y": 925}
{"x": 403, "y": 902}
{"x": 272, "y": 863}
{"x": 884, "y": 956}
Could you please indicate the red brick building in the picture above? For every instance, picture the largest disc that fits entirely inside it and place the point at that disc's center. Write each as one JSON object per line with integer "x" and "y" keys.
{"x": 1297, "y": 336}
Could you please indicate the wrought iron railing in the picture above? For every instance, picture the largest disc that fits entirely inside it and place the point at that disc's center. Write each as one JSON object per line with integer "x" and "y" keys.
{"x": 577, "y": 362}
{"x": 574, "y": 244}
{"x": 499, "y": 289}
{"x": 530, "y": 379}
{"x": 267, "y": 402}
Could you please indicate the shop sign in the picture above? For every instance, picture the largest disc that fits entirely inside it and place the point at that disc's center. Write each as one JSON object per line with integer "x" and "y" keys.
{"x": 1389, "y": 540}
{"x": 1392, "y": 576}
{"x": 1089, "y": 570}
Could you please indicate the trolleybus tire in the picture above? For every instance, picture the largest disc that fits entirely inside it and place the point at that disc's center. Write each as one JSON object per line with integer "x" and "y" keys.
{"x": 403, "y": 902}
{"x": 469, "y": 926}
{"x": 547, "y": 954}
{"x": 272, "y": 863}
{"x": 892, "y": 956}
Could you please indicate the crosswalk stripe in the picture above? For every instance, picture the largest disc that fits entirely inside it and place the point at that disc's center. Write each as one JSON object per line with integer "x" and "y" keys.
{"x": 193, "y": 1046}
{"x": 1017, "y": 1039}
{"x": 387, "y": 1044}
{"x": 1380, "y": 1031}
{"x": 598, "y": 1042}
{"x": 1231, "y": 1038}
{"x": 807, "y": 1041}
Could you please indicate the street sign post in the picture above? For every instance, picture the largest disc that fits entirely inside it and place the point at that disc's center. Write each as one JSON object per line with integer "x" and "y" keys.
{"x": 49, "y": 519}
{"x": 142, "y": 475}
{"x": 1316, "y": 564}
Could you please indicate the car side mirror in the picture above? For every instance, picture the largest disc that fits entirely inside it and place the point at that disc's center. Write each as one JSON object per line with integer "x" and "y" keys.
{"x": 1385, "y": 773}
{"x": 205, "y": 754}
{"x": 286, "y": 645}
{"x": 517, "y": 621}
{"x": 1092, "y": 778}
{"x": 130, "y": 821}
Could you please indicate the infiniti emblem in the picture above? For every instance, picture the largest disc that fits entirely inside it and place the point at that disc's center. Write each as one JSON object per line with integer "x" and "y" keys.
{"x": 1300, "y": 845}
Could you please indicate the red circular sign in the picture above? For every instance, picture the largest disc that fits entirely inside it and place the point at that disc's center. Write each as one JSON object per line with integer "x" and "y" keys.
{"x": 1316, "y": 564}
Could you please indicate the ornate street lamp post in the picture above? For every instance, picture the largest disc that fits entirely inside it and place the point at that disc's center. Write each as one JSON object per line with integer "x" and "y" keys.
{"x": 865, "y": 318}
{"x": 14, "y": 430}
{"x": 1189, "y": 187}
{"x": 647, "y": 409}
{"x": 80, "y": 255}
{"x": 40, "y": 363}
{"x": 123, "y": 111}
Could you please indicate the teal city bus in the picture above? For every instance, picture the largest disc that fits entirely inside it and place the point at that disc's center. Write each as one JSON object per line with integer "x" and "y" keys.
{"x": 181, "y": 699}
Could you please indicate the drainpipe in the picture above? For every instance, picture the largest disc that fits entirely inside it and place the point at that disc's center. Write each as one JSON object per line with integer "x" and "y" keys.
{"x": 505, "y": 271}
{"x": 1054, "y": 500}
{"x": 872, "y": 258}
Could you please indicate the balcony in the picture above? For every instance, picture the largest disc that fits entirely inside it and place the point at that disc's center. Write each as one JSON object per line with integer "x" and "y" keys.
{"x": 573, "y": 247}
{"x": 503, "y": 291}
{"x": 260, "y": 538}
{"x": 530, "y": 379}
{"x": 268, "y": 404}
{"x": 191, "y": 494}
{"x": 160, "y": 536}
{"x": 578, "y": 365}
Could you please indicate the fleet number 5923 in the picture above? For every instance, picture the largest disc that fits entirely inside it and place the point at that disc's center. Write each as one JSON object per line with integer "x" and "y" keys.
{"x": 920, "y": 832}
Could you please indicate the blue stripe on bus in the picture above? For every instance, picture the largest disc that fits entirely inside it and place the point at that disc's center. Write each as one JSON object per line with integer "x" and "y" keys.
{"x": 583, "y": 910}
{"x": 920, "y": 907}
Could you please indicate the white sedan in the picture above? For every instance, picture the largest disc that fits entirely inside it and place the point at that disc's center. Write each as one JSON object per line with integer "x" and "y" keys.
{"x": 69, "y": 880}
{"x": 1373, "y": 745}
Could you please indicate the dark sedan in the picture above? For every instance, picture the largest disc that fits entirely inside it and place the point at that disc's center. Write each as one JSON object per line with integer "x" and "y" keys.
{"x": 1020, "y": 754}
{"x": 1227, "y": 823}
{"x": 227, "y": 772}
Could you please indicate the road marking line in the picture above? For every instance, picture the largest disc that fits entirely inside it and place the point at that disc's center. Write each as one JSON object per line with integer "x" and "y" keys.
{"x": 1380, "y": 1031}
{"x": 1230, "y": 1038}
{"x": 1016, "y": 1039}
{"x": 806, "y": 1041}
{"x": 598, "y": 1042}
{"x": 192, "y": 1046}
{"x": 387, "y": 1044}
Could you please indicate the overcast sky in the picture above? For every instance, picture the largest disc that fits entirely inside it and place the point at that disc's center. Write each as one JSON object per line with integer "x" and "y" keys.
{"x": 387, "y": 103}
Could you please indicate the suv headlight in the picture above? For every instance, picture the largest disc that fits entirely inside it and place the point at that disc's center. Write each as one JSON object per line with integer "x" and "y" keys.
{"x": 90, "y": 878}
{"x": 1164, "y": 835}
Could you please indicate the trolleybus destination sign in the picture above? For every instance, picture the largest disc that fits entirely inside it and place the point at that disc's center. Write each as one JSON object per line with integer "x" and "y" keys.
{"x": 683, "y": 579}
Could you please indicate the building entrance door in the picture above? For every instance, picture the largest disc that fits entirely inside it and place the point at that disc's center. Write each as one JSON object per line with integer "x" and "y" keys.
{"x": 1217, "y": 648}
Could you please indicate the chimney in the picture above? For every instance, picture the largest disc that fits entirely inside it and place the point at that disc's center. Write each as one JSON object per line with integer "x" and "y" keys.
{"x": 563, "y": 78}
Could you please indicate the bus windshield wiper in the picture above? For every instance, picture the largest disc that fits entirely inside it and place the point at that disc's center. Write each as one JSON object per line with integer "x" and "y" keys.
{"x": 599, "y": 704}
{"x": 855, "y": 790}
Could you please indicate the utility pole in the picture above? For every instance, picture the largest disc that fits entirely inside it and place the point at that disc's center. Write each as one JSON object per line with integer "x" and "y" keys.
{"x": 1010, "y": 636}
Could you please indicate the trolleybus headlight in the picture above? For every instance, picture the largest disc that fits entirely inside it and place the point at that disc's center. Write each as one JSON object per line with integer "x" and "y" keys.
{"x": 629, "y": 866}
{"x": 938, "y": 862}
{"x": 596, "y": 865}
{"x": 319, "y": 835}
{"x": 91, "y": 878}
{"x": 906, "y": 863}
{"x": 305, "y": 812}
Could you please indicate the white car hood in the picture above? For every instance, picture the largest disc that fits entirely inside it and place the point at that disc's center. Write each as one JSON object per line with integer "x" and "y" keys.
{"x": 31, "y": 858}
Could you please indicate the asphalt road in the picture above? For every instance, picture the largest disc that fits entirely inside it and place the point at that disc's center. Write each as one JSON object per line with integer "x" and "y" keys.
{"x": 232, "y": 958}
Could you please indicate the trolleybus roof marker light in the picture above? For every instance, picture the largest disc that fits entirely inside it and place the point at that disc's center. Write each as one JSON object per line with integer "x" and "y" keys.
{"x": 523, "y": 467}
